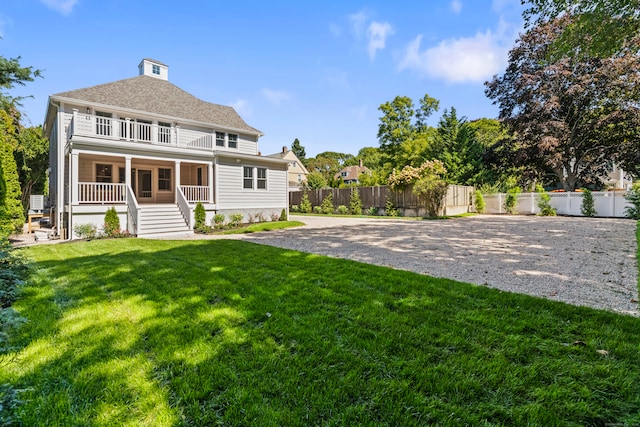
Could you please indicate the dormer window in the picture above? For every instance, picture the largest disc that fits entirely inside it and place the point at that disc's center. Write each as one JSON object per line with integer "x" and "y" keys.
{"x": 155, "y": 69}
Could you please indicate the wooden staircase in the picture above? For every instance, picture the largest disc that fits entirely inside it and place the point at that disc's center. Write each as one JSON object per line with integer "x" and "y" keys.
{"x": 162, "y": 221}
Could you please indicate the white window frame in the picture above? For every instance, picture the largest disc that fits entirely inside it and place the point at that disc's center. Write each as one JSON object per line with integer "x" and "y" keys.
{"x": 163, "y": 179}
{"x": 155, "y": 69}
{"x": 247, "y": 179}
{"x": 232, "y": 140}
{"x": 220, "y": 137}
{"x": 261, "y": 180}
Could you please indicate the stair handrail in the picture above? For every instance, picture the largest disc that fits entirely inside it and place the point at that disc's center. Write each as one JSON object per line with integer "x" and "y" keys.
{"x": 184, "y": 207}
{"x": 133, "y": 213}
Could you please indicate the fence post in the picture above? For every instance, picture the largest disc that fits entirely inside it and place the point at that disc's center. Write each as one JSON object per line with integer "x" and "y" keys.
{"x": 533, "y": 208}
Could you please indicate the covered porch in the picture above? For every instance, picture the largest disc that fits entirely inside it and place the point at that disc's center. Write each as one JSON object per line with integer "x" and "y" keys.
{"x": 112, "y": 179}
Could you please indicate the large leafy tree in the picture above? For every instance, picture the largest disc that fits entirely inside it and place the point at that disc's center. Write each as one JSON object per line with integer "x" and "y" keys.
{"x": 402, "y": 121}
{"x": 32, "y": 158}
{"x": 573, "y": 115}
{"x": 600, "y": 28}
{"x": 328, "y": 163}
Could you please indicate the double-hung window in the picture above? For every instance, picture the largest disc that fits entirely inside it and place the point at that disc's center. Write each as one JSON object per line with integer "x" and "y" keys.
{"x": 262, "y": 178}
{"x": 220, "y": 139}
{"x": 104, "y": 173}
{"x": 248, "y": 177}
{"x": 233, "y": 140}
{"x": 164, "y": 179}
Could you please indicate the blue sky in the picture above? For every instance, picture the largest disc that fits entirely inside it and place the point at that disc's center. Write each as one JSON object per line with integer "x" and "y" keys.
{"x": 316, "y": 70}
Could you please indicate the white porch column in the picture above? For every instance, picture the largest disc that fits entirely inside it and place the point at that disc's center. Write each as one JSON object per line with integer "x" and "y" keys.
{"x": 210, "y": 181}
{"x": 127, "y": 170}
{"x": 74, "y": 178}
{"x": 177, "y": 178}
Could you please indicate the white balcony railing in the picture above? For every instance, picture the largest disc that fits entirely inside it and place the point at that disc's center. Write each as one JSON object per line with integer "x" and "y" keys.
{"x": 101, "y": 192}
{"x": 138, "y": 131}
{"x": 195, "y": 193}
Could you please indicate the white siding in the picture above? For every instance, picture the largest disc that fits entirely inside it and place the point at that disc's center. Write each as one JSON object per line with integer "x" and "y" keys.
{"x": 232, "y": 195}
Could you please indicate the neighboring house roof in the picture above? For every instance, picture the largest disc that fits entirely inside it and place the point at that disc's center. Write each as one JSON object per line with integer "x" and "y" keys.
{"x": 351, "y": 173}
{"x": 291, "y": 156}
{"x": 152, "y": 95}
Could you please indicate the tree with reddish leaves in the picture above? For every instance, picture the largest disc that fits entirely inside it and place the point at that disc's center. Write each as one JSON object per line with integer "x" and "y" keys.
{"x": 573, "y": 115}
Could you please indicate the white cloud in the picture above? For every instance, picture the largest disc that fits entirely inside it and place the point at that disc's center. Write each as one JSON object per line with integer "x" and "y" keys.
{"x": 63, "y": 6}
{"x": 464, "y": 59}
{"x": 274, "y": 96}
{"x": 358, "y": 21}
{"x": 456, "y": 6}
{"x": 242, "y": 107}
{"x": 377, "y": 34}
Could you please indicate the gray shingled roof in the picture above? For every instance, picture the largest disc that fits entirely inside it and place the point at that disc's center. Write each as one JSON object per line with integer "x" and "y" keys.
{"x": 157, "y": 96}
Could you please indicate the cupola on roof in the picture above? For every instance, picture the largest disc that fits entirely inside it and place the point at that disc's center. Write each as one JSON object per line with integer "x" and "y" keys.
{"x": 153, "y": 68}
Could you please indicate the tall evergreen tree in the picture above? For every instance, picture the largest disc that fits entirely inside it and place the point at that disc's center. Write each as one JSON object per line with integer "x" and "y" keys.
{"x": 298, "y": 150}
{"x": 457, "y": 147}
{"x": 11, "y": 213}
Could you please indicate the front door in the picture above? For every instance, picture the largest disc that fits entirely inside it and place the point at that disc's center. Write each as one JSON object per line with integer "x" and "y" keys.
{"x": 144, "y": 192}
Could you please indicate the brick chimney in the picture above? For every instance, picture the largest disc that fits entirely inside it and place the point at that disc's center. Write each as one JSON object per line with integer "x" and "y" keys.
{"x": 360, "y": 163}
{"x": 284, "y": 149}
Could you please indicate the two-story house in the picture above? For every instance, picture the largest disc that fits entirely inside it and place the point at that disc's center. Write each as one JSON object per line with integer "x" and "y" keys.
{"x": 153, "y": 151}
{"x": 297, "y": 171}
{"x": 351, "y": 174}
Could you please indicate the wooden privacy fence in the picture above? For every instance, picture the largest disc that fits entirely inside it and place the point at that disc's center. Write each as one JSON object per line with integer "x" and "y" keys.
{"x": 458, "y": 199}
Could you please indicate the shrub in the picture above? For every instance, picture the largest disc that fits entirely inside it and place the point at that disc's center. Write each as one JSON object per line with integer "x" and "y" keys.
{"x": 355, "y": 203}
{"x": 283, "y": 215}
{"x": 427, "y": 181}
{"x": 544, "y": 202}
{"x": 260, "y": 217}
{"x": 200, "y": 217}
{"x": 587, "y": 208}
{"x": 235, "y": 219}
{"x": 372, "y": 211}
{"x": 327, "y": 204}
{"x": 511, "y": 200}
{"x": 86, "y": 231}
{"x": 633, "y": 197}
{"x": 9, "y": 404}
{"x": 111, "y": 222}
{"x": 343, "y": 210}
{"x": 479, "y": 201}
{"x": 317, "y": 209}
{"x": 274, "y": 217}
{"x": 218, "y": 221}
{"x": 13, "y": 268}
{"x": 389, "y": 208}
{"x": 294, "y": 208}
{"x": 250, "y": 219}
{"x": 305, "y": 203}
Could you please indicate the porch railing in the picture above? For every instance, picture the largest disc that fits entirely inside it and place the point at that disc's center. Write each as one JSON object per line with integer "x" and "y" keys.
{"x": 139, "y": 131}
{"x": 133, "y": 213}
{"x": 101, "y": 192}
{"x": 195, "y": 193}
{"x": 184, "y": 207}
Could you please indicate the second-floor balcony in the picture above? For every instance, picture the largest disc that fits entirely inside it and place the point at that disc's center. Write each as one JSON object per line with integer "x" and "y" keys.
{"x": 133, "y": 130}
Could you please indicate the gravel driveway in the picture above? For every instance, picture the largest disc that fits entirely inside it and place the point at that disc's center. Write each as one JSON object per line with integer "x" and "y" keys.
{"x": 581, "y": 261}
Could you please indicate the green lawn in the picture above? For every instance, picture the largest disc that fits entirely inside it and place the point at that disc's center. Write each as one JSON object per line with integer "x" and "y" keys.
{"x": 142, "y": 332}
